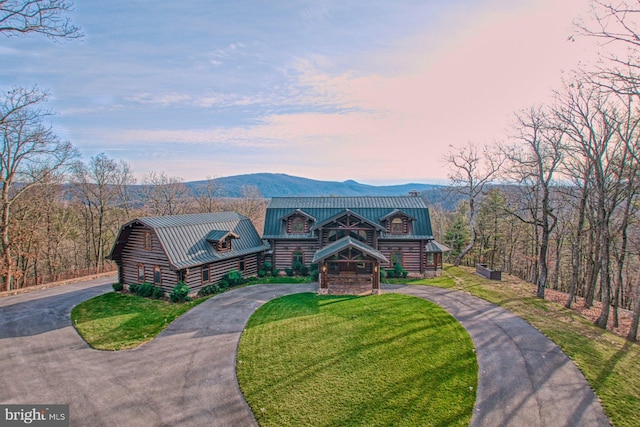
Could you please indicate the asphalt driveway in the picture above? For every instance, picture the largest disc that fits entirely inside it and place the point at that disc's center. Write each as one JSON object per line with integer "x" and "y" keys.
{"x": 186, "y": 376}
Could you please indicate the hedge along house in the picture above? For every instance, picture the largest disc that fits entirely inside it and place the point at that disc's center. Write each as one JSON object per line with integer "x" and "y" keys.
{"x": 196, "y": 249}
{"x": 352, "y": 238}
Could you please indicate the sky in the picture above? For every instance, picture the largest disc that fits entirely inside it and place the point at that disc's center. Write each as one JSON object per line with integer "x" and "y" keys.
{"x": 375, "y": 91}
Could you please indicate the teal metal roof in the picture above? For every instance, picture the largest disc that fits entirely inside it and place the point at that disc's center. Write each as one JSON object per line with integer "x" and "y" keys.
{"x": 371, "y": 208}
{"x": 217, "y": 235}
{"x": 345, "y": 243}
{"x": 184, "y": 237}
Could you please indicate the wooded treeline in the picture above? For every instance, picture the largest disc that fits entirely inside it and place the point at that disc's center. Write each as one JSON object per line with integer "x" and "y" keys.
{"x": 565, "y": 215}
{"x": 66, "y": 226}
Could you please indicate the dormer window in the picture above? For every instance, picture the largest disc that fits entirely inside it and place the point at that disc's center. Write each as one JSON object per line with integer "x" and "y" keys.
{"x": 297, "y": 225}
{"x": 397, "y": 226}
{"x": 221, "y": 239}
{"x": 224, "y": 245}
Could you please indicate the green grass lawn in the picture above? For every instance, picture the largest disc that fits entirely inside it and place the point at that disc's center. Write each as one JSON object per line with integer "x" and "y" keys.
{"x": 115, "y": 321}
{"x": 391, "y": 359}
{"x": 609, "y": 363}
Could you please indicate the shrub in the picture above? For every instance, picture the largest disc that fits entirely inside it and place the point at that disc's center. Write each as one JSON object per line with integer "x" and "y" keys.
{"x": 145, "y": 290}
{"x": 223, "y": 285}
{"x": 208, "y": 290}
{"x": 304, "y": 270}
{"x": 234, "y": 277}
{"x": 179, "y": 293}
{"x": 383, "y": 274}
{"x": 267, "y": 267}
{"x": 157, "y": 293}
{"x": 315, "y": 273}
{"x": 133, "y": 288}
{"x": 118, "y": 286}
{"x": 289, "y": 271}
{"x": 275, "y": 272}
{"x": 262, "y": 273}
{"x": 297, "y": 266}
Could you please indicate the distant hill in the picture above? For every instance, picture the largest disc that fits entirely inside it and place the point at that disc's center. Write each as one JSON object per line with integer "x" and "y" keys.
{"x": 282, "y": 185}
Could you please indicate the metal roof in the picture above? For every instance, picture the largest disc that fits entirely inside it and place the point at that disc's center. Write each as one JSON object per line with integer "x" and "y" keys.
{"x": 184, "y": 237}
{"x": 434, "y": 246}
{"x": 372, "y": 208}
{"x": 345, "y": 243}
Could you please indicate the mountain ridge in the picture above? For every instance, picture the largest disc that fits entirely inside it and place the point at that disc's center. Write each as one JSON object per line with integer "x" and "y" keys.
{"x": 284, "y": 185}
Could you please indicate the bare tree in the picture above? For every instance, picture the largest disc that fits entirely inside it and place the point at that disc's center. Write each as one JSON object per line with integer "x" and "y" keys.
{"x": 165, "y": 195}
{"x": 471, "y": 171}
{"x": 98, "y": 186}
{"x": 534, "y": 160}
{"x": 31, "y": 154}
{"x": 46, "y": 17}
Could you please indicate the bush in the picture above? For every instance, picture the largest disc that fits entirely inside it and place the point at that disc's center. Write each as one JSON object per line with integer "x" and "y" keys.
{"x": 117, "y": 286}
{"x": 267, "y": 267}
{"x": 262, "y": 273}
{"x": 234, "y": 277}
{"x": 304, "y": 271}
{"x": 275, "y": 272}
{"x": 223, "y": 285}
{"x": 133, "y": 288}
{"x": 179, "y": 293}
{"x": 157, "y": 293}
{"x": 383, "y": 274}
{"x": 289, "y": 271}
{"x": 208, "y": 290}
{"x": 297, "y": 266}
{"x": 145, "y": 290}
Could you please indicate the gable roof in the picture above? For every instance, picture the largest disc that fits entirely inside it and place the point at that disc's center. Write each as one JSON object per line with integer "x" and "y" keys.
{"x": 184, "y": 238}
{"x": 372, "y": 208}
{"x": 344, "y": 243}
{"x": 343, "y": 213}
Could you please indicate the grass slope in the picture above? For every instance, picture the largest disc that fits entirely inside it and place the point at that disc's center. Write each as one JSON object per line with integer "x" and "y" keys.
{"x": 340, "y": 360}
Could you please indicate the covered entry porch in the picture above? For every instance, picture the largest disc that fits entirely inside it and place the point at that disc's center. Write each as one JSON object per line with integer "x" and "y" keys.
{"x": 348, "y": 267}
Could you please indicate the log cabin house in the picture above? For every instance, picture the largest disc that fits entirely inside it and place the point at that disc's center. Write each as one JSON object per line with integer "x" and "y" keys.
{"x": 351, "y": 238}
{"x": 197, "y": 249}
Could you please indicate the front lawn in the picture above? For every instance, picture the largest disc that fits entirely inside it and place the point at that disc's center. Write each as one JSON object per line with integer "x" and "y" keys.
{"x": 391, "y": 359}
{"x": 115, "y": 321}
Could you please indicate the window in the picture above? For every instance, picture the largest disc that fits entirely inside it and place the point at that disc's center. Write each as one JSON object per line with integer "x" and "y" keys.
{"x": 140, "y": 273}
{"x": 430, "y": 258}
{"x": 397, "y": 226}
{"x": 297, "y": 225}
{"x": 157, "y": 275}
{"x": 205, "y": 273}
{"x": 224, "y": 245}
{"x": 147, "y": 240}
{"x": 241, "y": 264}
{"x": 297, "y": 256}
{"x": 396, "y": 258}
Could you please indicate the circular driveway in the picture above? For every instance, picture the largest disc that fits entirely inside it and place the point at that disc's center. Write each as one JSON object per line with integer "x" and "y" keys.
{"x": 186, "y": 376}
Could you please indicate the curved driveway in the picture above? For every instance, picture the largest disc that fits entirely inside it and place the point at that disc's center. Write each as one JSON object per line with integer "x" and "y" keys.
{"x": 186, "y": 375}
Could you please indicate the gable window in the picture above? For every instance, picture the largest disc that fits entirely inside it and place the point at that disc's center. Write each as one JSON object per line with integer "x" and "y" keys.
{"x": 297, "y": 225}
{"x": 140, "y": 273}
{"x": 397, "y": 226}
{"x": 205, "y": 273}
{"x": 157, "y": 275}
{"x": 147, "y": 240}
{"x": 297, "y": 256}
